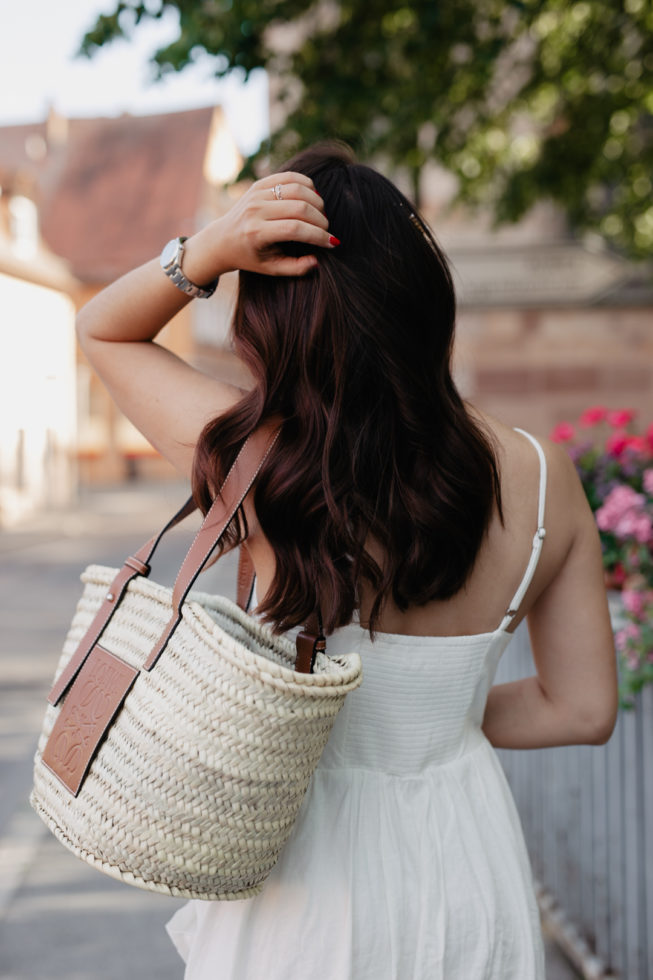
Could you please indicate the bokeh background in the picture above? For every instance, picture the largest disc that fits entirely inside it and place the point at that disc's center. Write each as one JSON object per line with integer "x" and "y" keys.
{"x": 523, "y": 130}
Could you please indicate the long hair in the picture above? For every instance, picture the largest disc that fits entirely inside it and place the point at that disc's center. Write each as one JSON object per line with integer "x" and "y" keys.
{"x": 376, "y": 445}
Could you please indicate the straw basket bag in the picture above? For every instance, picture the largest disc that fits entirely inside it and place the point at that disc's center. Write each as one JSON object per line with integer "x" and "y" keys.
{"x": 181, "y": 733}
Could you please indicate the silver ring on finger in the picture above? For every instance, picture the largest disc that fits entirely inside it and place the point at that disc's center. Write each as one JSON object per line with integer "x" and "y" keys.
{"x": 276, "y": 190}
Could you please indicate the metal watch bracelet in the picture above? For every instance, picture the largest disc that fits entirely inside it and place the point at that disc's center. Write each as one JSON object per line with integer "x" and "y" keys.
{"x": 170, "y": 261}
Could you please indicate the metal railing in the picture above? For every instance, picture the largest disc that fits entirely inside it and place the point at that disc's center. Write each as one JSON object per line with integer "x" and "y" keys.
{"x": 587, "y": 814}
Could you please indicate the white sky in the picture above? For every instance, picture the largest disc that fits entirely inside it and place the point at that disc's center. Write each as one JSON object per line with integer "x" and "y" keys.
{"x": 38, "y": 39}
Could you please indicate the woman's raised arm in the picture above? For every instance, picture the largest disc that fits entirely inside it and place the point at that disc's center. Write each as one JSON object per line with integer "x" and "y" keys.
{"x": 168, "y": 400}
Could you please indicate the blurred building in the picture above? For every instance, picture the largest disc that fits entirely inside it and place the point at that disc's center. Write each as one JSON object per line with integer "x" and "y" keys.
{"x": 84, "y": 201}
{"x": 38, "y": 418}
{"x": 548, "y": 324}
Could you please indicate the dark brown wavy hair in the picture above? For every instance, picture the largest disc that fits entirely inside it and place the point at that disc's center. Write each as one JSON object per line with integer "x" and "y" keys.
{"x": 376, "y": 444}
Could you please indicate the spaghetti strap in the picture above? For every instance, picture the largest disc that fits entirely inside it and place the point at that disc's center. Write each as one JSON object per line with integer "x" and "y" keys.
{"x": 538, "y": 539}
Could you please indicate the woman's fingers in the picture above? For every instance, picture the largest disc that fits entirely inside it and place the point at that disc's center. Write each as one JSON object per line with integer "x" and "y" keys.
{"x": 291, "y": 267}
{"x": 289, "y": 186}
{"x": 295, "y": 230}
{"x": 288, "y": 209}
{"x": 286, "y": 177}
{"x": 280, "y": 208}
{"x": 297, "y": 209}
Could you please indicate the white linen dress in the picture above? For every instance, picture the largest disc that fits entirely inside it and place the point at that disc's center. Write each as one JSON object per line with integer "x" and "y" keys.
{"x": 407, "y": 860}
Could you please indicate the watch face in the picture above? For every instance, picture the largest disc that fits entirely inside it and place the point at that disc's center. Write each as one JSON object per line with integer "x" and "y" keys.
{"x": 169, "y": 252}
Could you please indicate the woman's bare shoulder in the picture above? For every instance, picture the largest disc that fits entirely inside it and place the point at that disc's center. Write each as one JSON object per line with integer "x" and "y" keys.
{"x": 567, "y": 514}
{"x": 515, "y": 452}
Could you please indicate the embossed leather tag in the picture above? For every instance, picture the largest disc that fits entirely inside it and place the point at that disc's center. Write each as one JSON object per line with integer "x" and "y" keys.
{"x": 89, "y": 708}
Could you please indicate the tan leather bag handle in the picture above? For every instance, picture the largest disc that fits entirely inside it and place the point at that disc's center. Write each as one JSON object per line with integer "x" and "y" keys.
{"x": 235, "y": 488}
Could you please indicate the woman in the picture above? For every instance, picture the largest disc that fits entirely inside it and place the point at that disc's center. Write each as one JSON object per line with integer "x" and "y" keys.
{"x": 413, "y": 519}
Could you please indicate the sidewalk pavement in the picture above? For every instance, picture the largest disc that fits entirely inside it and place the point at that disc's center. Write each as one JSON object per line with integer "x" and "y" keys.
{"x": 60, "y": 919}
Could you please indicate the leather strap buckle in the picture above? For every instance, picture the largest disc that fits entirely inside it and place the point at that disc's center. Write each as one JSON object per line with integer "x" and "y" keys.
{"x": 139, "y": 566}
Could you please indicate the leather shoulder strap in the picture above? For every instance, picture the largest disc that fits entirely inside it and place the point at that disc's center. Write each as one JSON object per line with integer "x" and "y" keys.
{"x": 137, "y": 564}
{"x": 246, "y": 576}
{"x": 236, "y": 487}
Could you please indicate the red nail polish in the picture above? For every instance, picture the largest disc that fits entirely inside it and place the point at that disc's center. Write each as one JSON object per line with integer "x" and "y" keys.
{"x": 333, "y": 240}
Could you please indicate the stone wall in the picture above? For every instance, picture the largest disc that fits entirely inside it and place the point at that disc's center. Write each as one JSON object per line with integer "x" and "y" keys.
{"x": 537, "y": 367}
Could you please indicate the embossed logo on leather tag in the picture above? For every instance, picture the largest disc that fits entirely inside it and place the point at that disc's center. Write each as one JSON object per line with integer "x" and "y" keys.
{"x": 90, "y": 706}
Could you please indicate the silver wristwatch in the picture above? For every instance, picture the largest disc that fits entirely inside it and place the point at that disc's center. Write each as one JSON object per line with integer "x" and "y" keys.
{"x": 171, "y": 264}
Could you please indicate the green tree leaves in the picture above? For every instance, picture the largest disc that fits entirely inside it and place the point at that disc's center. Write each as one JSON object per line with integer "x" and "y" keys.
{"x": 520, "y": 99}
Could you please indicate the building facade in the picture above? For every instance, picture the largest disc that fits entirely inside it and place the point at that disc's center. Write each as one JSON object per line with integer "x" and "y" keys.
{"x": 38, "y": 388}
{"x": 548, "y": 323}
{"x": 97, "y": 197}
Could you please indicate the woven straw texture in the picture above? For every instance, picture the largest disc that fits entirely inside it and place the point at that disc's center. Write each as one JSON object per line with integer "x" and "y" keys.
{"x": 196, "y": 786}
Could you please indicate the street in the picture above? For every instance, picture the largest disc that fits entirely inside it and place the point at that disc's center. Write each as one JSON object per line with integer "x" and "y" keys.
{"x": 59, "y": 918}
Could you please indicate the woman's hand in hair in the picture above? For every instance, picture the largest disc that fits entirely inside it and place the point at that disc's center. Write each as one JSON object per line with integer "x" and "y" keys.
{"x": 168, "y": 400}
{"x": 280, "y": 208}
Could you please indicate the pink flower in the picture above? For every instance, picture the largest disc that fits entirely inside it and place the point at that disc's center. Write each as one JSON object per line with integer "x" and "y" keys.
{"x": 648, "y": 435}
{"x": 563, "y": 432}
{"x": 634, "y": 525}
{"x": 625, "y": 637}
{"x": 636, "y": 443}
{"x": 647, "y": 480}
{"x": 632, "y": 659}
{"x": 632, "y": 632}
{"x": 634, "y": 602}
{"x": 592, "y": 416}
{"x": 644, "y": 529}
{"x": 623, "y": 512}
{"x": 620, "y": 418}
{"x": 618, "y": 502}
{"x": 616, "y": 443}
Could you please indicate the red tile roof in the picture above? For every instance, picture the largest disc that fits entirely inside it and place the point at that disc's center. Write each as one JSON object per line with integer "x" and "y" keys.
{"x": 115, "y": 190}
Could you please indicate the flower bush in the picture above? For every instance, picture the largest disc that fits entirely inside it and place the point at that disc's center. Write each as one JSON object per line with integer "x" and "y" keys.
{"x": 615, "y": 466}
